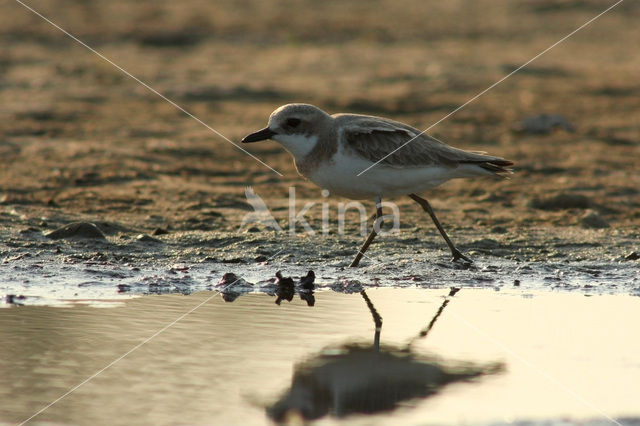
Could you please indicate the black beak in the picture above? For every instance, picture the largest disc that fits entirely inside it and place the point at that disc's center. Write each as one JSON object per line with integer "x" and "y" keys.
{"x": 260, "y": 135}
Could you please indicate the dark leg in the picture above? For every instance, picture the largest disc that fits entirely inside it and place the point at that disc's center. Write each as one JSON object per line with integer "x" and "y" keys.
{"x": 457, "y": 254}
{"x": 425, "y": 331}
{"x": 377, "y": 319}
{"x": 372, "y": 235}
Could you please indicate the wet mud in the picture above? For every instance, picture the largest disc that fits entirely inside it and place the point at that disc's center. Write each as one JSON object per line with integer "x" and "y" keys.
{"x": 102, "y": 261}
{"x": 107, "y": 190}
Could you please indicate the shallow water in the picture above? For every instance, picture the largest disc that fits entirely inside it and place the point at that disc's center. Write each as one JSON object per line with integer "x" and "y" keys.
{"x": 547, "y": 355}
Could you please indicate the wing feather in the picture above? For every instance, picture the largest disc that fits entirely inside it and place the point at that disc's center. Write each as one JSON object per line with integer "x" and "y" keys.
{"x": 374, "y": 138}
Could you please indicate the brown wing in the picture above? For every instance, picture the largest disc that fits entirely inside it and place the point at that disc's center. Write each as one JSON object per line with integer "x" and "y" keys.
{"x": 374, "y": 138}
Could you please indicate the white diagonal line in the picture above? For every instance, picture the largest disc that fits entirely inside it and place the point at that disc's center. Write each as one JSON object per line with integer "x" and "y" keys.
{"x": 97, "y": 373}
{"x": 88, "y": 379}
{"x": 533, "y": 366}
{"x": 493, "y": 85}
{"x": 148, "y": 87}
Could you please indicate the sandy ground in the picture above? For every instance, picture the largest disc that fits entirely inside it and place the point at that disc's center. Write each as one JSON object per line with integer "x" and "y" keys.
{"x": 81, "y": 141}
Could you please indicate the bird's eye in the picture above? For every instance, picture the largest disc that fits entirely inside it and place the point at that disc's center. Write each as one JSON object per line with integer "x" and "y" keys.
{"x": 293, "y": 122}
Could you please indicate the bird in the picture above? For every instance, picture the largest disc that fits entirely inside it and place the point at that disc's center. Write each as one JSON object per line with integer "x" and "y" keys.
{"x": 367, "y": 157}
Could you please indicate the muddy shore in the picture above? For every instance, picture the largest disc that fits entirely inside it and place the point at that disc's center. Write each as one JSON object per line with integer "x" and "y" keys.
{"x": 81, "y": 141}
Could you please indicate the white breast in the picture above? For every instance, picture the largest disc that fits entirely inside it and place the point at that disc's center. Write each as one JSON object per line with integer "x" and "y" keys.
{"x": 340, "y": 177}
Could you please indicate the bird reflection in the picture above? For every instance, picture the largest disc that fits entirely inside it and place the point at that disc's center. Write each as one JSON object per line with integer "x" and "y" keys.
{"x": 368, "y": 379}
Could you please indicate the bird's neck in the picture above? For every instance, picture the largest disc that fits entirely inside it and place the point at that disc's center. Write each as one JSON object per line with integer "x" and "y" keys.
{"x": 298, "y": 145}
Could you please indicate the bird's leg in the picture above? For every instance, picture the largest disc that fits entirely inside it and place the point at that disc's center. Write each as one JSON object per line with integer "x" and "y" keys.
{"x": 376, "y": 226}
{"x": 457, "y": 254}
{"x": 377, "y": 320}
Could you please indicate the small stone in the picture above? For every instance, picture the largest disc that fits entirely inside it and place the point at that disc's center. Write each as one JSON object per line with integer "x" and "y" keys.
{"x": 29, "y": 230}
{"x": 543, "y": 124}
{"x": 234, "y": 260}
{"x": 85, "y": 230}
{"x": 592, "y": 219}
{"x": 159, "y": 231}
{"x": 144, "y": 238}
{"x": 232, "y": 280}
{"x": 230, "y": 296}
{"x": 14, "y": 300}
{"x": 123, "y": 288}
{"x": 486, "y": 243}
{"x": 632, "y": 256}
{"x": 563, "y": 201}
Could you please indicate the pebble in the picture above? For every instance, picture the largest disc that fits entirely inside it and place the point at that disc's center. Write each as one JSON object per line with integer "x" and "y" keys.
{"x": 159, "y": 231}
{"x": 563, "y": 201}
{"x": 632, "y": 256}
{"x": 592, "y": 219}
{"x": 144, "y": 238}
{"x": 84, "y": 230}
{"x": 543, "y": 124}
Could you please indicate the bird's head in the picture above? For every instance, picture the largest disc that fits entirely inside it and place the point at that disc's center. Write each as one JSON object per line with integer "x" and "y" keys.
{"x": 297, "y": 127}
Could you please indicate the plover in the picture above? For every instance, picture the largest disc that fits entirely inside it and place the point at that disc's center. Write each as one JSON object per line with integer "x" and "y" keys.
{"x": 332, "y": 151}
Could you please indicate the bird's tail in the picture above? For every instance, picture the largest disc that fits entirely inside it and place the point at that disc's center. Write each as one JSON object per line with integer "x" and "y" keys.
{"x": 498, "y": 166}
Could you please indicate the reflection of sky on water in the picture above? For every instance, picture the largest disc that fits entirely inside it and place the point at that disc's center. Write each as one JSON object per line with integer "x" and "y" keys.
{"x": 565, "y": 355}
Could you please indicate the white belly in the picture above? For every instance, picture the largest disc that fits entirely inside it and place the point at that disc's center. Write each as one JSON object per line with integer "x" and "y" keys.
{"x": 340, "y": 177}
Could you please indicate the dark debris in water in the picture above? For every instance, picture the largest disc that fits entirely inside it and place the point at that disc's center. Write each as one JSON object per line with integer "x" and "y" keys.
{"x": 284, "y": 281}
{"x": 123, "y": 288}
{"x": 13, "y": 299}
{"x": 231, "y": 283}
{"x": 232, "y": 286}
{"x": 307, "y": 282}
{"x": 284, "y": 292}
{"x": 286, "y": 288}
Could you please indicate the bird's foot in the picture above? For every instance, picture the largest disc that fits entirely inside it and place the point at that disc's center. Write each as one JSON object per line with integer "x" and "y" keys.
{"x": 356, "y": 261}
{"x": 457, "y": 255}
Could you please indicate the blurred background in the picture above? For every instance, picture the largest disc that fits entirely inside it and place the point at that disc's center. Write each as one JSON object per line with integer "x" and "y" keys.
{"x": 78, "y": 138}
{"x": 82, "y": 141}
